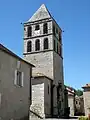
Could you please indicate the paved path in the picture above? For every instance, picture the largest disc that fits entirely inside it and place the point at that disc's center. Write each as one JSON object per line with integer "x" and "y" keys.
{"x": 60, "y": 119}
{"x": 74, "y": 118}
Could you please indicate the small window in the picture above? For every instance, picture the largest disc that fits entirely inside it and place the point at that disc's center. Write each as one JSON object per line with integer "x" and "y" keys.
{"x": 45, "y": 43}
{"x": 19, "y": 76}
{"x": 37, "y": 27}
{"x": 29, "y": 46}
{"x": 37, "y": 45}
{"x": 76, "y": 102}
{"x": 29, "y": 31}
{"x": 45, "y": 28}
{"x": 48, "y": 89}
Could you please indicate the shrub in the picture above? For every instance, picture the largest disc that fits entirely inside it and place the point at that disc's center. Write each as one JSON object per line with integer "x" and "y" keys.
{"x": 83, "y": 118}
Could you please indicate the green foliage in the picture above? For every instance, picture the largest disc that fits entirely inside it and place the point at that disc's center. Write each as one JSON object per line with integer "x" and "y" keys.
{"x": 79, "y": 92}
{"x": 83, "y": 118}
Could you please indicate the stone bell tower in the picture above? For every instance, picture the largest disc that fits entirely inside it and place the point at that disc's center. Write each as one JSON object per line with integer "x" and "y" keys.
{"x": 43, "y": 48}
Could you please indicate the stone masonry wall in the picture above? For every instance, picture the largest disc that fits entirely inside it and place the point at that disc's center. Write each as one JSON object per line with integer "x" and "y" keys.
{"x": 41, "y": 96}
{"x": 58, "y": 78}
{"x": 43, "y": 62}
{"x": 37, "y": 97}
{"x": 71, "y": 105}
{"x": 86, "y": 96}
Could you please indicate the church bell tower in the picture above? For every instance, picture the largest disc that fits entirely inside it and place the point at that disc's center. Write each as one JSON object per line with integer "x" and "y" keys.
{"x": 43, "y": 48}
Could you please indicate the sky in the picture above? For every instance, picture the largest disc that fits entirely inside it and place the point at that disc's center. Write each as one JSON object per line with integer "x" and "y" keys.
{"x": 73, "y": 16}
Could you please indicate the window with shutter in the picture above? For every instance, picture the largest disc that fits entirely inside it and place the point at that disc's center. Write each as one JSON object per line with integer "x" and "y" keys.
{"x": 19, "y": 78}
{"x": 15, "y": 79}
{"x": 22, "y": 79}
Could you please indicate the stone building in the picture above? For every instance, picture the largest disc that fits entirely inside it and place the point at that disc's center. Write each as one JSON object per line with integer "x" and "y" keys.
{"x": 71, "y": 100}
{"x": 66, "y": 109}
{"x": 15, "y": 85}
{"x": 86, "y": 97}
{"x": 43, "y": 48}
{"x": 79, "y": 105}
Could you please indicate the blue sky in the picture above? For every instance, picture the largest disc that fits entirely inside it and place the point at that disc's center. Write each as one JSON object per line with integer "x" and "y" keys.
{"x": 73, "y": 16}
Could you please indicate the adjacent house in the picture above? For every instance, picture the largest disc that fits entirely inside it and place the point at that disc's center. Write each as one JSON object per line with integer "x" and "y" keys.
{"x": 86, "y": 97}
{"x": 15, "y": 85}
{"x": 66, "y": 108}
{"x": 79, "y": 105}
{"x": 71, "y": 100}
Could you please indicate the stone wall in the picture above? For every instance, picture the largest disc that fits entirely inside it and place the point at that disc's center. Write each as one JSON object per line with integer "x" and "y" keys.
{"x": 41, "y": 100}
{"x": 58, "y": 78}
{"x": 86, "y": 96}
{"x": 43, "y": 62}
{"x": 38, "y": 98}
{"x": 71, "y": 104}
{"x": 79, "y": 105}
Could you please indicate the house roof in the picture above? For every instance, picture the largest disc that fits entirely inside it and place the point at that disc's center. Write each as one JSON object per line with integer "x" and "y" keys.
{"x": 41, "y": 13}
{"x": 70, "y": 88}
{"x": 40, "y": 75}
{"x": 86, "y": 86}
{"x": 3, "y": 48}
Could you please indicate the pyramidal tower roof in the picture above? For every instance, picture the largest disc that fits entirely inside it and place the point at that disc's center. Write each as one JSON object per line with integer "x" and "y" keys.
{"x": 41, "y": 13}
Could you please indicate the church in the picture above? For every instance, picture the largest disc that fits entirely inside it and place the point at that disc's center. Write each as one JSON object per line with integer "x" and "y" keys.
{"x": 43, "y": 48}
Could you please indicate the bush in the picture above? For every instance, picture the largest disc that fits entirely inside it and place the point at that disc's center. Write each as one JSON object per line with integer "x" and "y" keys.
{"x": 83, "y": 118}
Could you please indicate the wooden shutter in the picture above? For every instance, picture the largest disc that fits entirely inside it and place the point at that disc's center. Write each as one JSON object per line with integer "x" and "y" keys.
{"x": 22, "y": 78}
{"x": 15, "y": 79}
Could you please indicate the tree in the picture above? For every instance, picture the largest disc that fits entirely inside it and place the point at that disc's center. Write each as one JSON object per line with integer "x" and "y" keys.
{"x": 79, "y": 92}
